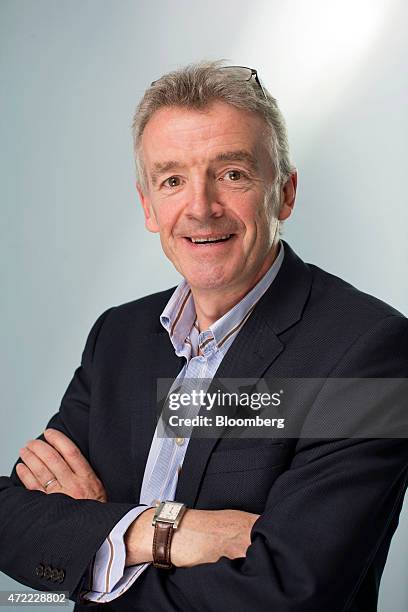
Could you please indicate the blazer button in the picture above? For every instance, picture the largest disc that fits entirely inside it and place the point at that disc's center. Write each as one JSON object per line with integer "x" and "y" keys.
{"x": 39, "y": 571}
{"x": 47, "y": 572}
{"x": 55, "y": 575}
{"x": 61, "y": 576}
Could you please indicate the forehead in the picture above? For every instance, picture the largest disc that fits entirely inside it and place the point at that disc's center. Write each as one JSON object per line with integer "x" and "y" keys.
{"x": 180, "y": 132}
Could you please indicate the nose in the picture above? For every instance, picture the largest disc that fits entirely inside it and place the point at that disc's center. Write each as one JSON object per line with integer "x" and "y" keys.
{"x": 202, "y": 203}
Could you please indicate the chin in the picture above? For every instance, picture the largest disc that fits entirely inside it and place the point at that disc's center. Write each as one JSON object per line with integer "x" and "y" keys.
{"x": 207, "y": 285}
{"x": 211, "y": 276}
{"x": 205, "y": 281}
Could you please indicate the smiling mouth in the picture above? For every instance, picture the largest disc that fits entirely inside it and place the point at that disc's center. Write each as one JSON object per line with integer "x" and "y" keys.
{"x": 209, "y": 239}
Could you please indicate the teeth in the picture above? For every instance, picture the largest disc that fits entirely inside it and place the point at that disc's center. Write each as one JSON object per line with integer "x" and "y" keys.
{"x": 203, "y": 240}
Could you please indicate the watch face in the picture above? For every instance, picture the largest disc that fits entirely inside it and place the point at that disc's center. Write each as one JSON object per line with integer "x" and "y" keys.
{"x": 170, "y": 511}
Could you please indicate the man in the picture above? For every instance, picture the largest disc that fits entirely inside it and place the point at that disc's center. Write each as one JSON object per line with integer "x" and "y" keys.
{"x": 286, "y": 524}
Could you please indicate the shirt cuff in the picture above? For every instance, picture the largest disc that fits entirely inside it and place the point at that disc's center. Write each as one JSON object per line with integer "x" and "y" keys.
{"x": 110, "y": 578}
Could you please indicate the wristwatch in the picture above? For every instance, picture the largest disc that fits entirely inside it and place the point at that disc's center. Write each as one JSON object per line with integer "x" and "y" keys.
{"x": 165, "y": 520}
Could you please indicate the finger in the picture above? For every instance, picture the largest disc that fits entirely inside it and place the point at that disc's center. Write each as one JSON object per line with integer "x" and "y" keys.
{"x": 69, "y": 451}
{"x": 37, "y": 468}
{"x": 28, "y": 479}
{"x": 52, "y": 460}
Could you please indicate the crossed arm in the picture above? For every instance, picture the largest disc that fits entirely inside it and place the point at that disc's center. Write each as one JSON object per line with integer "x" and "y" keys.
{"x": 298, "y": 562}
{"x": 203, "y": 537}
{"x": 325, "y": 520}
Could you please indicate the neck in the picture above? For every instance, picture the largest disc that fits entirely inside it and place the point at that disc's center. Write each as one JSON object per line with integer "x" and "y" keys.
{"x": 212, "y": 304}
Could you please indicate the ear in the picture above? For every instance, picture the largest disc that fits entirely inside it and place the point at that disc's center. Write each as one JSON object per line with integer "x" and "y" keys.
{"x": 288, "y": 196}
{"x": 150, "y": 218}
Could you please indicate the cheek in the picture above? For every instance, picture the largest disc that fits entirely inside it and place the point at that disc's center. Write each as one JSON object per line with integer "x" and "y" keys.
{"x": 263, "y": 216}
{"x": 258, "y": 225}
{"x": 165, "y": 218}
{"x": 253, "y": 217}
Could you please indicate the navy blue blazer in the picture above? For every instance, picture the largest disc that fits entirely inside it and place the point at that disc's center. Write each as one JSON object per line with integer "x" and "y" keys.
{"x": 328, "y": 507}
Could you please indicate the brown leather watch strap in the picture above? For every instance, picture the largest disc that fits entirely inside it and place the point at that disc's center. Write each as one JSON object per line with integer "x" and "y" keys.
{"x": 163, "y": 533}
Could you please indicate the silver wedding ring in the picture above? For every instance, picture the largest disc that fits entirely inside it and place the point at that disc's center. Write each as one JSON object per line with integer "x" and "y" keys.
{"x": 47, "y": 484}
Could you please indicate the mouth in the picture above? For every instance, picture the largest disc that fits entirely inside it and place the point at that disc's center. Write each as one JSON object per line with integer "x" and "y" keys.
{"x": 208, "y": 240}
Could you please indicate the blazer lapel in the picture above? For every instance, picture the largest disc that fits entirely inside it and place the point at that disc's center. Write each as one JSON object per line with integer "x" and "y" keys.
{"x": 254, "y": 351}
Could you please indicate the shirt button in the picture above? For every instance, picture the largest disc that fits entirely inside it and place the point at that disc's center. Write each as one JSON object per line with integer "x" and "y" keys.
{"x": 179, "y": 441}
{"x": 155, "y": 502}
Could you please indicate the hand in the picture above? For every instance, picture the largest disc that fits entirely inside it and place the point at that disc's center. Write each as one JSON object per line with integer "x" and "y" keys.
{"x": 203, "y": 537}
{"x": 59, "y": 460}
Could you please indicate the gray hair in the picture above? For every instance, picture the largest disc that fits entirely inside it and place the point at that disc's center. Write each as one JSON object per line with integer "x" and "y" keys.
{"x": 196, "y": 86}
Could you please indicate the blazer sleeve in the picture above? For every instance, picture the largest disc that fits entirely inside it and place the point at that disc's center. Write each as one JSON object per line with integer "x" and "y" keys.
{"x": 48, "y": 542}
{"x": 325, "y": 519}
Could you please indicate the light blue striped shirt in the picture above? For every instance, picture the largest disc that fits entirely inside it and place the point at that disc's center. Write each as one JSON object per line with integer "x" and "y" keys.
{"x": 203, "y": 352}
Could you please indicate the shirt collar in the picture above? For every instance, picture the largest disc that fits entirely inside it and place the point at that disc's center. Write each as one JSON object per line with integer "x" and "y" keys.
{"x": 179, "y": 314}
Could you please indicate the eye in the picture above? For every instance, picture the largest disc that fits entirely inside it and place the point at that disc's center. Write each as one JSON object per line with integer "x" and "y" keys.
{"x": 232, "y": 175}
{"x": 172, "y": 181}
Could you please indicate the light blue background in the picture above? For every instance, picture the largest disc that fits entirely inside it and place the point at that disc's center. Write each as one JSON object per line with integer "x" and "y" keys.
{"x": 73, "y": 241}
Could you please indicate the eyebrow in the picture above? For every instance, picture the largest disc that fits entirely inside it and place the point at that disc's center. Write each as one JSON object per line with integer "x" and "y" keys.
{"x": 240, "y": 155}
{"x": 160, "y": 168}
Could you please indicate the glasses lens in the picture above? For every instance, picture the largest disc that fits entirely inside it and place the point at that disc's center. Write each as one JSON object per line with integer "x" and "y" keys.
{"x": 245, "y": 74}
{"x": 239, "y": 72}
